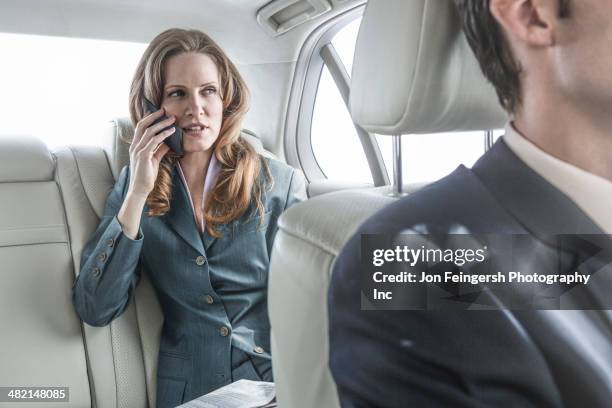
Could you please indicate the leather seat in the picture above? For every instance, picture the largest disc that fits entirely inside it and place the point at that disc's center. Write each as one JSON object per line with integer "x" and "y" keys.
{"x": 433, "y": 85}
{"x": 41, "y": 335}
{"x": 116, "y": 362}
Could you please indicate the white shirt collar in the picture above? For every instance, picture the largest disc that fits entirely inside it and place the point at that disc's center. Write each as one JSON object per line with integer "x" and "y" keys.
{"x": 209, "y": 182}
{"x": 591, "y": 193}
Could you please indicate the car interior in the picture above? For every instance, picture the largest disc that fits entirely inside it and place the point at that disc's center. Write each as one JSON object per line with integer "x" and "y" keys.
{"x": 412, "y": 74}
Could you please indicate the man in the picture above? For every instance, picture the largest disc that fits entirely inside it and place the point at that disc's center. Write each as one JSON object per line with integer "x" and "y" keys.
{"x": 551, "y": 173}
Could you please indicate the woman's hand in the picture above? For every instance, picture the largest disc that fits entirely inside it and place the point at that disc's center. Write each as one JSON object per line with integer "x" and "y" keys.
{"x": 146, "y": 152}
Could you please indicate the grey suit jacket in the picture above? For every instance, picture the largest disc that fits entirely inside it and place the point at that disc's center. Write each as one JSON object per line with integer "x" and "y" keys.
{"x": 212, "y": 291}
{"x": 539, "y": 358}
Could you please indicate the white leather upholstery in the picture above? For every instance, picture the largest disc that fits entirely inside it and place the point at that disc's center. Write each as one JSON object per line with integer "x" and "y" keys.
{"x": 413, "y": 72}
{"x": 41, "y": 333}
{"x": 49, "y": 206}
{"x": 118, "y": 131}
{"x": 310, "y": 237}
{"x": 24, "y": 159}
{"x": 115, "y": 358}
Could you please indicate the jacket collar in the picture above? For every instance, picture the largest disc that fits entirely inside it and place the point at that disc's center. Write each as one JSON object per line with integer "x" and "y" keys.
{"x": 534, "y": 202}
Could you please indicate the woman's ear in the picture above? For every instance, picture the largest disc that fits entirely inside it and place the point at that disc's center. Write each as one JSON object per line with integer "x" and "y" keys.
{"x": 528, "y": 22}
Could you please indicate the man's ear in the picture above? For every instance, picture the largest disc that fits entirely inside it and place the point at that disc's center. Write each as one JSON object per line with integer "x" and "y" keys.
{"x": 532, "y": 22}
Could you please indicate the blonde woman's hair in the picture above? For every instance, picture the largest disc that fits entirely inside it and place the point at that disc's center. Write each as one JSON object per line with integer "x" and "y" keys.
{"x": 239, "y": 183}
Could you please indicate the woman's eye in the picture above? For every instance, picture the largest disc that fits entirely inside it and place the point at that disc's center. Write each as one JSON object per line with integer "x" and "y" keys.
{"x": 210, "y": 91}
{"x": 175, "y": 93}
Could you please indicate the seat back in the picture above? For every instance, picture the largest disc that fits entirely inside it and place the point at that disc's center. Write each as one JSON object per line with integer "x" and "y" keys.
{"x": 413, "y": 72}
{"x": 41, "y": 337}
{"x": 310, "y": 236}
{"x": 50, "y": 205}
{"x": 115, "y": 357}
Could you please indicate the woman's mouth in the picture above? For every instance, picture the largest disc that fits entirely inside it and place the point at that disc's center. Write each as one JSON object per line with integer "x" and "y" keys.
{"x": 194, "y": 131}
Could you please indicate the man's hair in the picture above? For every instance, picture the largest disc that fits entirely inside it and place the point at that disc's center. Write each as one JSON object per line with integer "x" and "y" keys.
{"x": 492, "y": 50}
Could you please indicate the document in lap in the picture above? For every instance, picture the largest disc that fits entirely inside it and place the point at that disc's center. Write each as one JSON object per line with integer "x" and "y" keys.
{"x": 241, "y": 394}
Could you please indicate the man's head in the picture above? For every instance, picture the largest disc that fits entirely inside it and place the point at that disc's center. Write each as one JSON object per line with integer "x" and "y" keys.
{"x": 561, "y": 44}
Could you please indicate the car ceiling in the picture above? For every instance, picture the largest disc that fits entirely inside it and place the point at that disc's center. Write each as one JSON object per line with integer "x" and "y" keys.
{"x": 232, "y": 23}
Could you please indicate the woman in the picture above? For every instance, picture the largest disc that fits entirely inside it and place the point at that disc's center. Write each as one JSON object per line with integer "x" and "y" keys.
{"x": 201, "y": 224}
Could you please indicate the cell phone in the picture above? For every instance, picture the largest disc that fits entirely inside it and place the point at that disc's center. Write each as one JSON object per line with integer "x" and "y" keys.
{"x": 175, "y": 141}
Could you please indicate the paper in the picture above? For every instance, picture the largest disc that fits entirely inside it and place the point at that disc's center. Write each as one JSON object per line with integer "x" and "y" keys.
{"x": 240, "y": 394}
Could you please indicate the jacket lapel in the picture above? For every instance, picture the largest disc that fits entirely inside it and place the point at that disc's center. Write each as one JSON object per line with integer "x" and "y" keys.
{"x": 533, "y": 201}
{"x": 224, "y": 229}
{"x": 546, "y": 213}
{"x": 208, "y": 239}
{"x": 229, "y": 229}
{"x": 180, "y": 217}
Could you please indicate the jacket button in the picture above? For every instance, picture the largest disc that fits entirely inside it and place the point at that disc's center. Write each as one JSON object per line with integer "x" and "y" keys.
{"x": 102, "y": 257}
{"x": 209, "y": 299}
{"x": 223, "y": 331}
{"x": 200, "y": 260}
{"x": 258, "y": 350}
{"x": 110, "y": 242}
{"x": 95, "y": 272}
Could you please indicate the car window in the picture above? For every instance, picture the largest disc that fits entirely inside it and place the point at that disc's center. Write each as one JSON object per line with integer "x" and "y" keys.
{"x": 64, "y": 90}
{"x": 334, "y": 139}
{"x": 430, "y": 157}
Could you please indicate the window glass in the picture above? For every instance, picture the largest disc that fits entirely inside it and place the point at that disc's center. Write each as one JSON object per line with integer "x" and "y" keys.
{"x": 426, "y": 158}
{"x": 334, "y": 139}
{"x": 64, "y": 90}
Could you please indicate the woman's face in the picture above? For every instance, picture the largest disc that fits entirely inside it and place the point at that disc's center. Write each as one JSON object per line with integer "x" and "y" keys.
{"x": 191, "y": 94}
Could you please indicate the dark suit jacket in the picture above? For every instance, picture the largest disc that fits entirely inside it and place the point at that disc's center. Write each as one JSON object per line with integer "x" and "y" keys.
{"x": 212, "y": 291}
{"x": 541, "y": 358}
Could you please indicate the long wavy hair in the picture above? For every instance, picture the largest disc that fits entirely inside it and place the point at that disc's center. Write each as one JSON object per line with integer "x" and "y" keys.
{"x": 241, "y": 182}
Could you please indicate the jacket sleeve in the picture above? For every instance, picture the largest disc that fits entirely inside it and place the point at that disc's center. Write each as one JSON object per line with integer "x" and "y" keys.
{"x": 109, "y": 265}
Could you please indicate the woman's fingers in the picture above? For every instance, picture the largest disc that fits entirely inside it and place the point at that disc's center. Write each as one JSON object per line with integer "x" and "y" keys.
{"x": 150, "y": 118}
{"x": 158, "y": 139}
{"x": 144, "y": 124}
{"x": 161, "y": 151}
{"x": 154, "y": 131}
{"x": 158, "y": 127}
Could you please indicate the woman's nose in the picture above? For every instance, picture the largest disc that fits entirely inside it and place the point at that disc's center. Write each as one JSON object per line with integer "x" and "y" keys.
{"x": 195, "y": 106}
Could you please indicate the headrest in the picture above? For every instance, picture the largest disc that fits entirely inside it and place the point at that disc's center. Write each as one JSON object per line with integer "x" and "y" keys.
{"x": 24, "y": 158}
{"x": 414, "y": 72}
{"x": 116, "y": 149}
{"x": 121, "y": 129}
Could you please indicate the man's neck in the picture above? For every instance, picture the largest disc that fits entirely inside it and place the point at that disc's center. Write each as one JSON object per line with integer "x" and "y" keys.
{"x": 582, "y": 140}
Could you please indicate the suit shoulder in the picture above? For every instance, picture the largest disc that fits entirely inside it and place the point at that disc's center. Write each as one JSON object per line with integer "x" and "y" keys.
{"x": 281, "y": 172}
{"x": 277, "y": 166}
